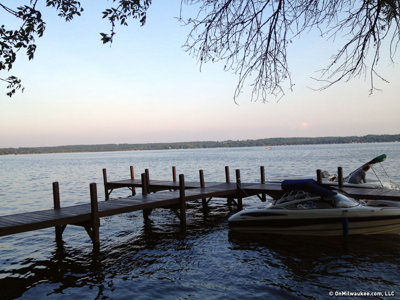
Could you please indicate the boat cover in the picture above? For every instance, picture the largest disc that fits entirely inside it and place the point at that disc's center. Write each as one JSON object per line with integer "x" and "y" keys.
{"x": 307, "y": 185}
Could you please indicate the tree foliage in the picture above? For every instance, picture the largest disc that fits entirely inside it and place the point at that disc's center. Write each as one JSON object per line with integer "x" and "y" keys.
{"x": 23, "y": 38}
{"x": 32, "y": 26}
{"x": 250, "y": 37}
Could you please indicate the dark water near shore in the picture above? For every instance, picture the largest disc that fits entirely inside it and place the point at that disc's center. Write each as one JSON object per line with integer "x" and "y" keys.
{"x": 207, "y": 261}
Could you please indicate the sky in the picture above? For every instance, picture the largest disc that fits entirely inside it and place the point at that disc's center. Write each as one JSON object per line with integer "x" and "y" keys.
{"x": 145, "y": 88}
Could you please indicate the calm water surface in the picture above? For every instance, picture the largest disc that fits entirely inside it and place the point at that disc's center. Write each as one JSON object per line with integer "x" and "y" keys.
{"x": 207, "y": 261}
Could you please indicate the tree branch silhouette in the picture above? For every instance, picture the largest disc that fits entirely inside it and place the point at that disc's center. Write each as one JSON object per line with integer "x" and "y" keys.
{"x": 250, "y": 37}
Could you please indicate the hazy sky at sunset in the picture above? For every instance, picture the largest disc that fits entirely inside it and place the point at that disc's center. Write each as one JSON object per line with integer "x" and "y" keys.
{"x": 145, "y": 88}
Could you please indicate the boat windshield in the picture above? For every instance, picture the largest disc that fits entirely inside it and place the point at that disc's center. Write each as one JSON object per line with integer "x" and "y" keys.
{"x": 303, "y": 200}
{"x": 341, "y": 201}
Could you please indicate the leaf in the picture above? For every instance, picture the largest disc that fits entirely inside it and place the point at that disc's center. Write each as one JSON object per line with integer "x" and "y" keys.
{"x": 105, "y": 38}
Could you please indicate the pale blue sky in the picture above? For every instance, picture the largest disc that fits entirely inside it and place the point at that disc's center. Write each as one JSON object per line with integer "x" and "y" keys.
{"x": 145, "y": 88}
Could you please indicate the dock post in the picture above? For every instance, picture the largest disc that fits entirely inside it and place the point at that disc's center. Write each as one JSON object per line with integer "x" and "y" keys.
{"x": 132, "y": 173}
{"x": 319, "y": 176}
{"x": 59, "y": 229}
{"x": 228, "y": 180}
{"x": 340, "y": 177}
{"x": 262, "y": 171}
{"x": 133, "y": 178}
{"x": 105, "y": 184}
{"x": 145, "y": 190}
{"x": 227, "y": 177}
{"x": 182, "y": 200}
{"x": 202, "y": 185}
{"x": 146, "y": 212}
{"x": 95, "y": 220}
{"x": 146, "y": 171}
{"x": 174, "y": 174}
{"x": 239, "y": 190}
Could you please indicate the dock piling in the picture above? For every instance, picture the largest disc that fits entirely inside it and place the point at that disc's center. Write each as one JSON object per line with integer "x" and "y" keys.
{"x": 228, "y": 180}
{"x": 132, "y": 173}
{"x": 262, "y": 173}
{"x": 145, "y": 191}
{"x": 107, "y": 195}
{"x": 95, "y": 220}
{"x": 133, "y": 178}
{"x": 202, "y": 185}
{"x": 146, "y": 171}
{"x": 227, "y": 177}
{"x": 56, "y": 195}
{"x": 174, "y": 174}
{"x": 144, "y": 185}
{"x": 340, "y": 177}
{"x": 239, "y": 190}
{"x": 182, "y": 200}
{"x": 59, "y": 229}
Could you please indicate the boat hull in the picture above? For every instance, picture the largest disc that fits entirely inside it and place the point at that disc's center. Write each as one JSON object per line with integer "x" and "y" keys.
{"x": 363, "y": 221}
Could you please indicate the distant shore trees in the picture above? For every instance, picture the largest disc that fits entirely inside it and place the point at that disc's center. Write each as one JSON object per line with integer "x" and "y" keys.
{"x": 268, "y": 142}
{"x": 250, "y": 37}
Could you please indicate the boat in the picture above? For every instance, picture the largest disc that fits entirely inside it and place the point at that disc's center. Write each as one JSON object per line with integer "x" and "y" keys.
{"x": 381, "y": 182}
{"x": 309, "y": 209}
{"x": 381, "y": 178}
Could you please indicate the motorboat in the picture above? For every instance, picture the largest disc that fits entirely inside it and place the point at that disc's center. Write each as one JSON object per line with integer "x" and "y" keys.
{"x": 307, "y": 208}
{"x": 381, "y": 181}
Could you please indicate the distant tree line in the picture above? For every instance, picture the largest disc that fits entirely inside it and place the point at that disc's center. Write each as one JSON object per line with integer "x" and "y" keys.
{"x": 206, "y": 144}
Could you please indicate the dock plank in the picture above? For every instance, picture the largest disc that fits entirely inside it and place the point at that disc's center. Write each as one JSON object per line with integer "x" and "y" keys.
{"x": 21, "y": 222}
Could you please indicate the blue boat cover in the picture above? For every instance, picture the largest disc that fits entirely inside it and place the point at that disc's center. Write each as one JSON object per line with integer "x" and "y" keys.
{"x": 307, "y": 185}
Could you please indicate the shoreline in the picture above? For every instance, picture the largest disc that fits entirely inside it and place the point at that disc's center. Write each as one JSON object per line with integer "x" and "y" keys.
{"x": 267, "y": 142}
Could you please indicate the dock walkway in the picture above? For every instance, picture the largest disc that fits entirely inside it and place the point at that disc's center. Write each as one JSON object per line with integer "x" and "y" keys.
{"x": 82, "y": 214}
{"x": 156, "y": 194}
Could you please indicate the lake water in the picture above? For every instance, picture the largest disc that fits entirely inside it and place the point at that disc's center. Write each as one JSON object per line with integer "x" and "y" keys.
{"x": 207, "y": 261}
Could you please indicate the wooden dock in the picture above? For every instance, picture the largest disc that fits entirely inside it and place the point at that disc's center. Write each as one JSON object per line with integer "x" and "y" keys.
{"x": 157, "y": 194}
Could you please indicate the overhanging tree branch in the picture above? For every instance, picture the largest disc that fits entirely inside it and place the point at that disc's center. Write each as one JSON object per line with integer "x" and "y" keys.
{"x": 260, "y": 33}
{"x": 32, "y": 25}
{"x": 250, "y": 37}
